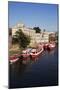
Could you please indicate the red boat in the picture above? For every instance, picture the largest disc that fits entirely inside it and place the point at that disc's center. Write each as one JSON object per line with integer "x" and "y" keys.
{"x": 36, "y": 52}
{"x": 45, "y": 46}
{"x": 26, "y": 53}
{"x": 51, "y": 46}
{"x": 13, "y": 59}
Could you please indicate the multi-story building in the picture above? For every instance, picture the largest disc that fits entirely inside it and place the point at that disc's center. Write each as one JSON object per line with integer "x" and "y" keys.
{"x": 35, "y": 37}
{"x": 28, "y": 31}
{"x": 45, "y": 37}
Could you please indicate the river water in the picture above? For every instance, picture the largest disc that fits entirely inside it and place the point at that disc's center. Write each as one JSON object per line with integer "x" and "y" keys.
{"x": 41, "y": 71}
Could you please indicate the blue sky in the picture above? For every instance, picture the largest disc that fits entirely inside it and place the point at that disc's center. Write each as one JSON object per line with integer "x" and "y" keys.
{"x": 33, "y": 14}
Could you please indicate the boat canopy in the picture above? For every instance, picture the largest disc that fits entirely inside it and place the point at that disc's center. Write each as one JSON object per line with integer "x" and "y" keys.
{"x": 27, "y": 50}
{"x": 24, "y": 51}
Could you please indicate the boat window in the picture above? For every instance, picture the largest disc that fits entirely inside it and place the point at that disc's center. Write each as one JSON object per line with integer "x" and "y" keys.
{"x": 33, "y": 52}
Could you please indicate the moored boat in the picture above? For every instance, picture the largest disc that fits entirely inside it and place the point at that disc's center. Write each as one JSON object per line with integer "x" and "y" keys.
{"x": 13, "y": 59}
{"x": 26, "y": 53}
{"x": 36, "y": 52}
{"x": 51, "y": 46}
{"x": 45, "y": 46}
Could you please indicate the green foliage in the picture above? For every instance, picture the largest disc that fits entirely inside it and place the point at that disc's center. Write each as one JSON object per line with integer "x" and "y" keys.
{"x": 23, "y": 40}
{"x": 37, "y": 29}
{"x": 51, "y": 38}
{"x": 14, "y": 40}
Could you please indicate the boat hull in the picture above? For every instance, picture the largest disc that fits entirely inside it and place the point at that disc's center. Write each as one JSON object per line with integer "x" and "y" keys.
{"x": 24, "y": 57}
{"x": 50, "y": 47}
{"x": 36, "y": 54}
{"x": 13, "y": 60}
{"x": 45, "y": 46}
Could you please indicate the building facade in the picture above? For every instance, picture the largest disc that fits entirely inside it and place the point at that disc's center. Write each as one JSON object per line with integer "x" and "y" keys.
{"x": 35, "y": 37}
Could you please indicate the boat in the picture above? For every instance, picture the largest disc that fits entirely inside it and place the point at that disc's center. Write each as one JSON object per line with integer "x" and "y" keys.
{"x": 45, "y": 46}
{"x": 13, "y": 59}
{"x": 26, "y": 53}
{"x": 51, "y": 46}
{"x": 35, "y": 52}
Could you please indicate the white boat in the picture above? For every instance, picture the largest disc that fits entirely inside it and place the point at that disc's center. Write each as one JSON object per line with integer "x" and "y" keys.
{"x": 36, "y": 52}
{"x": 26, "y": 53}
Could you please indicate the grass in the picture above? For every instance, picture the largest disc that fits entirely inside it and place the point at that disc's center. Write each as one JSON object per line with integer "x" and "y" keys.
{"x": 13, "y": 52}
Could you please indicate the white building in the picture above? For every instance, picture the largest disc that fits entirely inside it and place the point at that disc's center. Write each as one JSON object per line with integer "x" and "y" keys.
{"x": 35, "y": 37}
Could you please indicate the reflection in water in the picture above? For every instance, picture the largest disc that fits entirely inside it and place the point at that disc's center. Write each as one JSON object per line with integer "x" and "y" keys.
{"x": 39, "y": 71}
{"x": 18, "y": 68}
{"x": 51, "y": 51}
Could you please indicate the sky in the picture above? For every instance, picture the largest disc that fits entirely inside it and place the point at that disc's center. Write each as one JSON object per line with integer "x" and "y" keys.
{"x": 32, "y": 15}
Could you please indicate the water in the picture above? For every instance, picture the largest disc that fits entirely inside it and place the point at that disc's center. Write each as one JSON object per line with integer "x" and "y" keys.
{"x": 41, "y": 71}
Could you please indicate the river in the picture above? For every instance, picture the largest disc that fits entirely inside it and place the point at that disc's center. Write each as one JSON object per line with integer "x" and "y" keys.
{"x": 41, "y": 71}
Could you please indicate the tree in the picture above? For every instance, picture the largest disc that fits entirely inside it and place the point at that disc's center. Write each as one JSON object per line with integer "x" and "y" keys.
{"x": 37, "y": 29}
{"x": 23, "y": 40}
{"x": 51, "y": 37}
{"x": 14, "y": 40}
